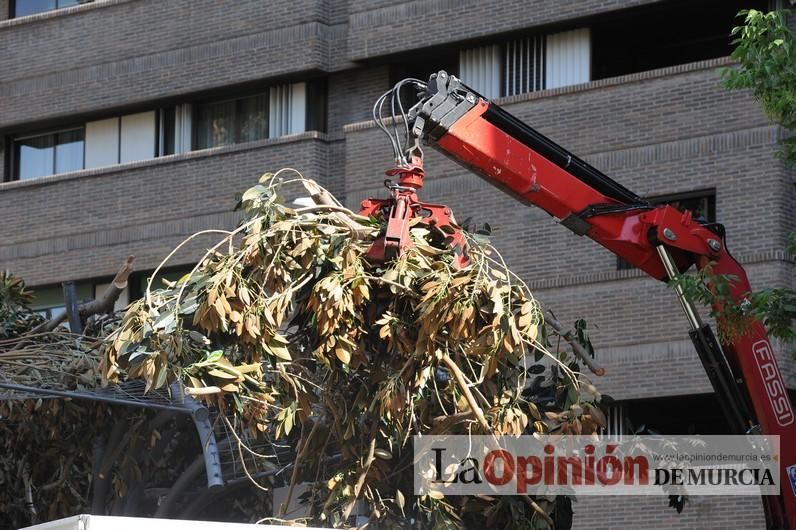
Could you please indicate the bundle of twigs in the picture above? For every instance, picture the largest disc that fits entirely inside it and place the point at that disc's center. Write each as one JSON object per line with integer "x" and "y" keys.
{"x": 290, "y": 329}
{"x": 55, "y": 360}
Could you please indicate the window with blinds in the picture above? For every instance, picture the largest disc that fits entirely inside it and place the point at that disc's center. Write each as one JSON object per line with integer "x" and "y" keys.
{"x": 279, "y": 112}
{"x": 121, "y": 139}
{"x": 479, "y": 68}
{"x": 524, "y": 65}
{"x": 615, "y": 422}
{"x": 287, "y": 109}
{"x": 568, "y": 58}
{"x": 528, "y": 64}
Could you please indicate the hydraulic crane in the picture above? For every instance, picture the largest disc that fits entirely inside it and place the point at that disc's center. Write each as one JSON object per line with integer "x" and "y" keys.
{"x": 658, "y": 239}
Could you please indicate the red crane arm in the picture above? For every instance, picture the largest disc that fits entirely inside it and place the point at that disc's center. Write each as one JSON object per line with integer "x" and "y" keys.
{"x": 660, "y": 240}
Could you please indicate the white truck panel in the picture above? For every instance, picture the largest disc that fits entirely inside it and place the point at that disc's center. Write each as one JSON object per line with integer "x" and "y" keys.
{"x": 103, "y": 522}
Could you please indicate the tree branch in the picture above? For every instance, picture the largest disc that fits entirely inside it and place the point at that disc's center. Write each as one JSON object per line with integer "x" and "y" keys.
{"x": 362, "y": 476}
{"x": 102, "y": 305}
{"x": 577, "y": 348}
{"x": 323, "y": 197}
{"x": 468, "y": 395}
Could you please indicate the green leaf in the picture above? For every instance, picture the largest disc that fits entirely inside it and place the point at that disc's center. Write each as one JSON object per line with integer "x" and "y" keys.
{"x": 214, "y": 356}
{"x": 165, "y": 322}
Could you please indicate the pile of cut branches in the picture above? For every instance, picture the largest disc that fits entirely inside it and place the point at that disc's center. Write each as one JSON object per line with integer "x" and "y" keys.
{"x": 292, "y": 332}
{"x": 60, "y": 457}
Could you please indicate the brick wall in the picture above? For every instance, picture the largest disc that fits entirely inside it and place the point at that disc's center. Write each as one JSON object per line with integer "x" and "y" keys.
{"x": 105, "y": 32}
{"x": 352, "y": 94}
{"x": 702, "y": 513}
{"x": 380, "y": 28}
{"x": 655, "y": 133}
{"x": 81, "y": 225}
{"x": 658, "y": 132}
{"x": 89, "y": 62}
{"x": 640, "y": 134}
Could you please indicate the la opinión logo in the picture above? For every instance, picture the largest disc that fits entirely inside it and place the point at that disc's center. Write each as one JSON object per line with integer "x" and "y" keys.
{"x": 499, "y": 467}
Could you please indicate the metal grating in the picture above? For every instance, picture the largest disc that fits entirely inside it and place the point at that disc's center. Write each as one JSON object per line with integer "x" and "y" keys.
{"x": 130, "y": 393}
{"x": 242, "y": 456}
{"x": 231, "y": 452}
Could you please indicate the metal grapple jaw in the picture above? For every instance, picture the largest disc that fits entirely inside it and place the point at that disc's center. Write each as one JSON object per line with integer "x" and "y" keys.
{"x": 403, "y": 209}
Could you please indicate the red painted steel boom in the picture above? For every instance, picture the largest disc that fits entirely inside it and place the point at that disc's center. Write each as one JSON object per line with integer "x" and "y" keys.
{"x": 660, "y": 240}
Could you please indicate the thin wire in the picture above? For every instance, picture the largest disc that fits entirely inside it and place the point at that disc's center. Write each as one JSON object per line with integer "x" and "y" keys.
{"x": 397, "y": 95}
{"x": 377, "y": 117}
{"x": 402, "y": 148}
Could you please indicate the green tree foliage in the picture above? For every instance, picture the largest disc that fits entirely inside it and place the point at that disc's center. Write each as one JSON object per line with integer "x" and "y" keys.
{"x": 766, "y": 52}
{"x": 764, "y": 49}
{"x": 775, "y": 307}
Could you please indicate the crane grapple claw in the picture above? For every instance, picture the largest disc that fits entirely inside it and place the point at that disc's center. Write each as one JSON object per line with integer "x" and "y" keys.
{"x": 399, "y": 211}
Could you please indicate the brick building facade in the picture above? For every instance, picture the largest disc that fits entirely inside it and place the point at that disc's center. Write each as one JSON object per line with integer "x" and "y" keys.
{"x": 657, "y": 120}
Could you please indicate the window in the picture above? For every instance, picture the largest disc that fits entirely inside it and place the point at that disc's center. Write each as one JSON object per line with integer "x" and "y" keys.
{"x": 421, "y": 66}
{"x": 479, "y": 68}
{"x": 139, "y": 280}
{"x": 48, "y": 301}
{"x": 528, "y": 64}
{"x": 523, "y": 65}
{"x": 615, "y": 421}
{"x": 48, "y": 154}
{"x": 174, "y": 129}
{"x": 665, "y": 415}
{"x": 230, "y": 122}
{"x": 702, "y": 205}
{"x": 121, "y": 139}
{"x": 281, "y": 111}
{"x": 287, "y": 112}
{"x": 665, "y": 34}
{"x": 21, "y": 8}
{"x": 96, "y": 144}
{"x": 567, "y": 58}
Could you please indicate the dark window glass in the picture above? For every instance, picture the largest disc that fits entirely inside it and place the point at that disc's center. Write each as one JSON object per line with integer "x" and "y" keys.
{"x": 665, "y": 415}
{"x": 229, "y": 122}
{"x": 664, "y": 34}
{"x": 48, "y": 154}
{"x": 420, "y": 67}
{"x": 316, "y": 105}
{"x": 167, "y": 131}
{"x": 252, "y": 118}
{"x": 702, "y": 205}
{"x": 139, "y": 280}
{"x": 215, "y": 124}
